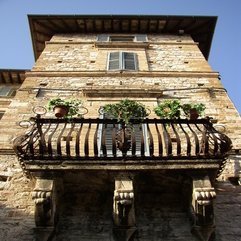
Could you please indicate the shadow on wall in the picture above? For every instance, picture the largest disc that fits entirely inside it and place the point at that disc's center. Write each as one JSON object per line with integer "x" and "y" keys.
{"x": 16, "y": 205}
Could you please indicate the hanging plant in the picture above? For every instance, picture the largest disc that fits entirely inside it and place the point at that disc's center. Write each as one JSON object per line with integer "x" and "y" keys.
{"x": 125, "y": 110}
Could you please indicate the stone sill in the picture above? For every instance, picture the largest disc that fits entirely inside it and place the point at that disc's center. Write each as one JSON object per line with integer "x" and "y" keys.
{"x": 191, "y": 165}
{"x": 100, "y": 91}
{"x": 37, "y": 73}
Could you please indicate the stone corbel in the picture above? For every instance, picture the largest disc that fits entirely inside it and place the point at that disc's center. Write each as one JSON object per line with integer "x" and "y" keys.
{"x": 44, "y": 196}
{"x": 203, "y": 195}
{"x": 123, "y": 209}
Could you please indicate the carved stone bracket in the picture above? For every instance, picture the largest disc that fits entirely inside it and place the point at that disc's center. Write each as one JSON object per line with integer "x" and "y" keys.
{"x": 123, "y": 209}
{"x": 203, "y": 195}
{"x": 44, "y": 196}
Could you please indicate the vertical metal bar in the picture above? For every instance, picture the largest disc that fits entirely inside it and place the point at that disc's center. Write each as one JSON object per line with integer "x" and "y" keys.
{"x": 59, "y": 152}
{"x": 213, "y": 139}
{"x": 187, "y": 139}
{"x": 42, "y": 142}
{"x": 103, "y": 140}
{"x": 204, "y": 141}
{"x": 31, "y": 141}
{"x": 160, "y": 146}
{"x": 50, "y": 150}
{"x": 86, "y": 148}
{"x": 77, "y": 143}
{"x": 177, "y": 139}
{"x": 96, "y": 141}
{"x": 197, "y": 147}
{"x": 68, "y": 138}
{"x": 151, "y": 143}
{"x": 114, "y": 149}
{"x": 167, "y": 140}
{"x": 142, "y": 144}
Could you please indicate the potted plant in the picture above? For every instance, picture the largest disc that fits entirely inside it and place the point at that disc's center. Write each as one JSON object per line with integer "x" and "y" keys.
{"x": 193, "y": 111}
{"x": 125, "y": 110}
{"x": 64, "y": 108}
{"x": 168, "y": 109}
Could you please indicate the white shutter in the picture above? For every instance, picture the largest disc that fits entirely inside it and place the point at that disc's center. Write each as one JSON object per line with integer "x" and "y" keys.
{"x": 141, "y": 38}
{"x": 129, "y": 61}
{"x": 122, "y": 61}
{"x": 114, "y": 62}
{"x": 103, "y": 38}
{"x": 6, "y": 91}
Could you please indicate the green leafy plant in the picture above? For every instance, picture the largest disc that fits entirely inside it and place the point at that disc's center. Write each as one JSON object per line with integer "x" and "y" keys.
{"x": 168, "y": 109}
{"x": 125, "y": 110}
{"x": 199, "y": 108}
{"x": 72, "y": 106}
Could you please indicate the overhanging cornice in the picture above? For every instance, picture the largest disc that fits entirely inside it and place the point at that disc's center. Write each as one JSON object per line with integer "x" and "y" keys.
{"x": 12, "y": 76}
{"x": 43, "y": 27}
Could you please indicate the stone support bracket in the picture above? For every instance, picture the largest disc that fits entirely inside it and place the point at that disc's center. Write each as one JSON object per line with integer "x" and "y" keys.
{"x": 203, "y": 195}
{"x": 44, "y": 196}
{"x": 123, "y": 209}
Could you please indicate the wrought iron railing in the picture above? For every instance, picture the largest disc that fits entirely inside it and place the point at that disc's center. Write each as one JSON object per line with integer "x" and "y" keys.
{"x": 107, "y": 139}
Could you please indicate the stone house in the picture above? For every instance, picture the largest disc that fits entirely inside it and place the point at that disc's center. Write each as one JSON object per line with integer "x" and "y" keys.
{"x": 94, "y": 177}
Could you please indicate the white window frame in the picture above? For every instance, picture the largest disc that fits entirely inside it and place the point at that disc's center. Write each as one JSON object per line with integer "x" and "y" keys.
{"x": 122, "y": 61}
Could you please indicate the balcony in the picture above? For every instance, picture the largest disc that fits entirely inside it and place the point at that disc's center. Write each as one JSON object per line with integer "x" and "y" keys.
{"x": 81, "y": 143}
{"x": 191, "y": 149}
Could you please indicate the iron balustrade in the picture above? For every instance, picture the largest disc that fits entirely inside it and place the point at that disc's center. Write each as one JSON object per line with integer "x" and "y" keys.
{"x": 108, "y": 139}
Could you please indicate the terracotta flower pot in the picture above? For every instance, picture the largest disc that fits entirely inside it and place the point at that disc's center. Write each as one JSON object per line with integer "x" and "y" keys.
{"x": 123, "y": 139}
{"x": 193, "y": 114}
{"x": 60, "y": 111}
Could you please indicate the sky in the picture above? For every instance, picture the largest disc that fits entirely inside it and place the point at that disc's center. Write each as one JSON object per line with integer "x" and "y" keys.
{"x": 16, "y": 50}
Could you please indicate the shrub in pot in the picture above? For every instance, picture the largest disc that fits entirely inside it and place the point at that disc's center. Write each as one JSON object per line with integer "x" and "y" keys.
{"x": 193, "y": 111}
{"x": 64, "y": 108}
{"x": 125, "y": 110}
{"x": 168, "y": 109}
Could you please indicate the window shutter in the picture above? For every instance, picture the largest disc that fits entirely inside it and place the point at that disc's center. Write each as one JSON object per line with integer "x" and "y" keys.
{"x": 6, "y": 91}
{"x": 103, "y": 38}
{"x": 141, "y": 38}
{"x": 129, "y": 60}
{"x": 114, "y": 61}
{"x": 122, "y": 61}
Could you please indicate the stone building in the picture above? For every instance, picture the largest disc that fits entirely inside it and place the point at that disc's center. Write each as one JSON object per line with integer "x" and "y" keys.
{"x": 92, "y": 178}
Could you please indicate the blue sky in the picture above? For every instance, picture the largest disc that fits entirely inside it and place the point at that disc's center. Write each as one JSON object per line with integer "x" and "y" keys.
{"x": 225, "y": 56}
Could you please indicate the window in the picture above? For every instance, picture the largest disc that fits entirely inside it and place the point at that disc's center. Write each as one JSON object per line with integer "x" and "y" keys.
{"x": 6, "y": 91}
{"x": 122, "y": 38}
{"x": 122, "y": 61}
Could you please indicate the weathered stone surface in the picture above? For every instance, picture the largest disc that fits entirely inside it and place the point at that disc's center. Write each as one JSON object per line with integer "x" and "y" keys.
{"x": 71, "y": 64}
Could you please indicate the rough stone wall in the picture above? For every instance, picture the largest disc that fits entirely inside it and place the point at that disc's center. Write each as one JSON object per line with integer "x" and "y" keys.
{"x": 71, "y": 63}
{"x": 16, "y": 205}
